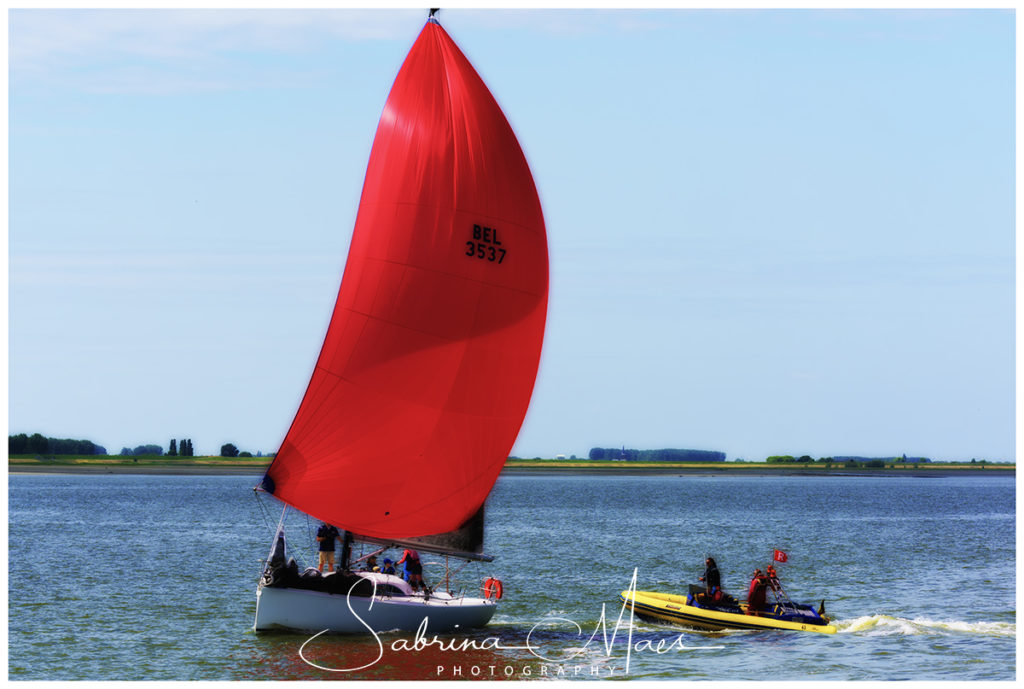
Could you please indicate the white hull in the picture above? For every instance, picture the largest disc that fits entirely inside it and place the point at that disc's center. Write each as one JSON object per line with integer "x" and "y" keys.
{"x": 315, "y": 611}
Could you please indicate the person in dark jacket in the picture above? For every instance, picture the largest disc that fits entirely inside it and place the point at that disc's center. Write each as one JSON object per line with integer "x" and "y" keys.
{"x": 712, "y": 580}
{"x": 326, "y": 535}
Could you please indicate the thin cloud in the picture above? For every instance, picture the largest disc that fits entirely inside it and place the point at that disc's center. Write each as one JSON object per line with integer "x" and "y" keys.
{"x": 46, "y": 39}
{"x": 570, "y": 22}
{"x": 172, "y": 51}
{"x": 140, "y": 271}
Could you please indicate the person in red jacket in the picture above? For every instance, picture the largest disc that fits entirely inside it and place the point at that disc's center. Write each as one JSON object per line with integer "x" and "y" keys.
{"x": 756, "y": 593}
{"x": 413, "y": 569}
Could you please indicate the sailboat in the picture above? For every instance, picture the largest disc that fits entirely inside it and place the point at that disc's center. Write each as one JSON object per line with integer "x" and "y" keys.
{"x": 428, "y": 363}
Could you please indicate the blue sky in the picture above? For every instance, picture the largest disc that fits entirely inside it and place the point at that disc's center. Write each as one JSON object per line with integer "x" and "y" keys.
{"x": 770, "y": 231}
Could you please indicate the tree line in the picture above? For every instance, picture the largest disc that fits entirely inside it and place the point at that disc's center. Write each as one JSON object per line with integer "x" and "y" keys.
{"x": 182, "y": 450}
{"x": 664, "y": 455}
{"x": 140, "y": 450}
{"x": 849, "y": 462}
{"x": 175, "y": 450}
{"x": 229, "y": 450}
{"x": 859, "y": 462}
{"x": 38, "y": 444}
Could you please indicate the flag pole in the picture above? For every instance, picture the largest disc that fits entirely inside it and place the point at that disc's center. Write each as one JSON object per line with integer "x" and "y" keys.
{"x": 776, "y": 585}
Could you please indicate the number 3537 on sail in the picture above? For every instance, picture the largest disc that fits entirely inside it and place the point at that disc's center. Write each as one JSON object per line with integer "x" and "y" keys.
{"x": 485, "y": 244}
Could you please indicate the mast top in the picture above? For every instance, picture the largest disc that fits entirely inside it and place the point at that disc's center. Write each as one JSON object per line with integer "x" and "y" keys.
{"x": 433, "y": 11}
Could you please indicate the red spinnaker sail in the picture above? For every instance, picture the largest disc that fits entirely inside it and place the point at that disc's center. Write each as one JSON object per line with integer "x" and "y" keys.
{"x": 429, "y": 362}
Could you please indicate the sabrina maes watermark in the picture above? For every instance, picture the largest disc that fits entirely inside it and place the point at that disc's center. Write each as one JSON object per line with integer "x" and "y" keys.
{"x": 606, "y": 659}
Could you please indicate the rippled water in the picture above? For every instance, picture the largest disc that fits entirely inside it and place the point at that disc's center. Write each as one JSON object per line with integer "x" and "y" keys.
{"x": 148, "y": 577}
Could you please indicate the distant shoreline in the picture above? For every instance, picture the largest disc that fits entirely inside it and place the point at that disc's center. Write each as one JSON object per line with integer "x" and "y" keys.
{"x": 597, "y": 468}
{"x": 527, "y": 468}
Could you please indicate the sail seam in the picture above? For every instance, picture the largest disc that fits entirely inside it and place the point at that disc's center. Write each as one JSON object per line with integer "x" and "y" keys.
{"x": 435, "y": 206}
{"x": 466, "y": 278}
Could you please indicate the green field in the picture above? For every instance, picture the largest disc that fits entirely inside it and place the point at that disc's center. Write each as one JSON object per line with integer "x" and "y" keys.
{"x": 740, "y": 467}
{"x": 158, "y": 464}
{"x": 122, "y": 464}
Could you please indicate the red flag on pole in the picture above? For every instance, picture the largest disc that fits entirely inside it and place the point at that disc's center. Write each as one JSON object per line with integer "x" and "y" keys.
{"x": 779, "y": 556}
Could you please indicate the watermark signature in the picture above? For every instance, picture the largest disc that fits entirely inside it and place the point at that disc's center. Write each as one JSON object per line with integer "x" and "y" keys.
{"x": 527, "y": 670}
{"x": 602, "y": 638}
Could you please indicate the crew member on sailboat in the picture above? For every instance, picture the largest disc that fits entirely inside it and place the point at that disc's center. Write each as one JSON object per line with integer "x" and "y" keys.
{"x": 413, "y": 568}
{"x": 326, "y": 535}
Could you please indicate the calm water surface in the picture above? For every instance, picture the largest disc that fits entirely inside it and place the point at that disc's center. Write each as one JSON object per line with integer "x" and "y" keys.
{"x": 153, "y": 578}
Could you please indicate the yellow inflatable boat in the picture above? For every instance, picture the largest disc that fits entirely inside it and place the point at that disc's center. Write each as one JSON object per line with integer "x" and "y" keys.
{"x": 686, "y": 611}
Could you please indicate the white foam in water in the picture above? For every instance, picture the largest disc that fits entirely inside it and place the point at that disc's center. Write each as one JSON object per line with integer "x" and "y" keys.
{"x": 885, "y": 625}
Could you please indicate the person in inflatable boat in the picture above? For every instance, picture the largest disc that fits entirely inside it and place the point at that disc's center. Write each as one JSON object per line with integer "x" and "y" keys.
{"x": 712, "y": 582}
{"x": 756, "y": 593}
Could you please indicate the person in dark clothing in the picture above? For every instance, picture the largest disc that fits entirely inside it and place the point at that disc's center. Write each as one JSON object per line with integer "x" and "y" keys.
{"x": 711, "y": 578}
{"x": 326, "y": 535}
{"x": 712, "y": 581}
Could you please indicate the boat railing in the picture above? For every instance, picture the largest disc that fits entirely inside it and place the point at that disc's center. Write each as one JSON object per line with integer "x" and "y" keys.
{"x": 782, "y": 598}
{"x": 450, "y": 572}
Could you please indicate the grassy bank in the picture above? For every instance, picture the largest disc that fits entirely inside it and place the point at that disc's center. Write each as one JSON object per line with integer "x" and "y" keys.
{"x": 256, "y": 465}
{"x": 112, "y": 464}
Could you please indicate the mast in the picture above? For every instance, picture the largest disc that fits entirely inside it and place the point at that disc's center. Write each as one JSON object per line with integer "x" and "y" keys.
{"x": 346, "y": 551}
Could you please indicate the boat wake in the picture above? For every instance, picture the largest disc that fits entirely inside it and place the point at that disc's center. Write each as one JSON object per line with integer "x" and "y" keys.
{"x": 886, "y": 625}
